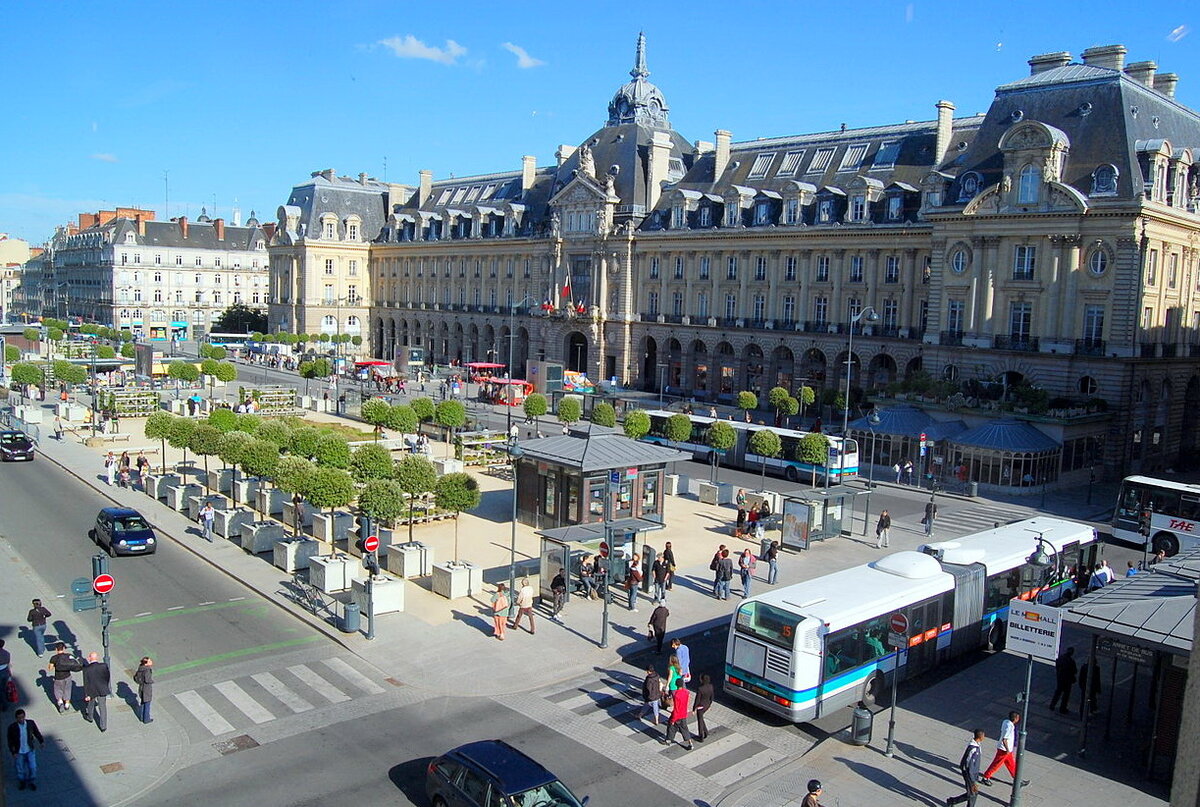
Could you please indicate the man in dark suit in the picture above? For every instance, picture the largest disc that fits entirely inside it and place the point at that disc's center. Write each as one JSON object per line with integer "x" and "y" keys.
{"x": 1065, "y": 673}
{"x": 968, "y": 766}
{"x": 96, "y": 689}
{"x": 21, "y": 736}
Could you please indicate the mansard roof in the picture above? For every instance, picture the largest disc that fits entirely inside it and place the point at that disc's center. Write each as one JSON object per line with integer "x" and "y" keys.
{"x": 343, "y": 197}
{"x": 200, "y": 235}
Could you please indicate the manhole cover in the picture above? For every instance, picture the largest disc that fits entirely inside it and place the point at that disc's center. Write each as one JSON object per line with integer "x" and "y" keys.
{"x": 240, "y": 743}
{"x": 112, "y": 767}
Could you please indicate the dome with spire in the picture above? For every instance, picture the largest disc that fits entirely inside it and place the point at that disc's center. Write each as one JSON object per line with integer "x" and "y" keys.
{"x": 638, "y": 101}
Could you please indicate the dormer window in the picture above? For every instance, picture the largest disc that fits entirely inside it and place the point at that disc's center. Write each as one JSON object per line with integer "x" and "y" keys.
{"x": 825, "y": 211}
{"x": 130, "y": 238}
{"x": 330, "y": 230}
{"x": 1159, "y": 193}
{"x": 1104, "y": 180}
{"x": 677, "y": 221}
{"x": 886, "y": 156}
{"x": 969, "y": 186}
{"x": 791, "y": 161}
{"x": 853, "y": 157}
{"x": 791, "y": 211}
{"x": 352, "y": 232}
{"x": 732, "y": 213}
{"x": 1027, "y": 188}
{"x": 858, "y": 208}
{"x": 762, "y": 213}
{"x": 820, "y": 160}
{"x": 895, "y": 207}
{"x": 762, "y": 164}
{"x": 706, "y": 216}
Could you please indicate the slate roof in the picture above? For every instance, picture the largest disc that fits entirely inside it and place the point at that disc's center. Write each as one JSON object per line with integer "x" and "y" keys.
{"x": 343, "y": 197}
{"x": 201, "y": 235}
{"x": 1007, "y": 435}
{"x": 599, "y": 453}
{"x": 906, "y": 421}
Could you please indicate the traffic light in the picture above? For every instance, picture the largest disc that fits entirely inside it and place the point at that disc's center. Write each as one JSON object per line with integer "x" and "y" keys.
{"x": 371, "y": 563}
{"x": 99, "y": 565}
{"x": 1144, "y": 523}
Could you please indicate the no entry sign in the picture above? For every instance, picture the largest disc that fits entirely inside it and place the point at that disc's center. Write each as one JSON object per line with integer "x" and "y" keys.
{"x": 103, "y": 583}
{"x": 898, "y": 623}
{"x": 371, "y": 543}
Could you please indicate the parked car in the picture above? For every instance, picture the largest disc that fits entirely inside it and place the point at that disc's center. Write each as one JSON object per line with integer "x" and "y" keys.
{"x": 492, "y": 772}
{"x": 15, "y": 446}
{"x": 122, "y": 531}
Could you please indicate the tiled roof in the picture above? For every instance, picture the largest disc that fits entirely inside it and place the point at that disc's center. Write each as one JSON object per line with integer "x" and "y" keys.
{"x": 1061, "y": 75}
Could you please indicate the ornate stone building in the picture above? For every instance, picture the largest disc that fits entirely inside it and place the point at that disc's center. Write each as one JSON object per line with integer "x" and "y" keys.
{"x": 1039, "y": 259}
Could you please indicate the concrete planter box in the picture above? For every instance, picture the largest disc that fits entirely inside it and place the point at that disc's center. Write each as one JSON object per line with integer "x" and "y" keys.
{"x": 70, "y": 411}
{"x": 157, "y": 485}
{"x": 293, "y": 555}
{"x": 304, "y": 401}
{"x": 774, "y": 500}
{"x": 330, "y": 530}
{"x": 261, "y": 536}
{"x": 177, "y": 496}
{"x": 329, "y": 574}
{"x": 289, "y": 513}
{"x": 178, "y": 407}
{"x": 29, "y": 414}
{"x": 459, "y": 580}
{"x": 271, "y": 500}
{"x": 448, "y": 466}
{"x": 387, "y": 593}
{"x": 221, "y": 479}
{"x": 409, "y": 560}
{"x": 196, "y": 503}
{"x": 229, "y": 523}
{"x": 247, "y": 490}
{"x": 676, "y": 485}
{"x": 720, "y": 493}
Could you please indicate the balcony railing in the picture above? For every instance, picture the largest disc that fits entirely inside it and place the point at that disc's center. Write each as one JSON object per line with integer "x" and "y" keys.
{"x": 1149, "y": 350}
{"x": 1089, "y": 347}
{"x": 759, "y": 324}
{"x": 727, "y": 322}
{"x": 951, "y": 337}
{"x": 1170, "y": 350}
{"x": 785, "y": 324}
{"x": 816, "y": 326}
{"x": 887, "y": 330}
{"x": 1026, "y": 344}
{"x": 1194, "y": 349}
{"x": 674, "y": 319}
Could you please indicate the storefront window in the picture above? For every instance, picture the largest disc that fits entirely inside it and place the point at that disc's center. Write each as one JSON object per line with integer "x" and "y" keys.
{"x": 549, "y": 494}
{"x": 573, "y": 513}
{"x": 650, "y": 493}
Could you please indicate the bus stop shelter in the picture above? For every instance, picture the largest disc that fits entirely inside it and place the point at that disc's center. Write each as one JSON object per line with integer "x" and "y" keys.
{"x": 817, "y": 514}
{"x": 565, "y": 548}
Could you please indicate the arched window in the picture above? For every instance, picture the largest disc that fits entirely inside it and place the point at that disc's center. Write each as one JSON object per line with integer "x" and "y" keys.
{"x": 328, "y": 324}
{"x": 1027, "y": 190}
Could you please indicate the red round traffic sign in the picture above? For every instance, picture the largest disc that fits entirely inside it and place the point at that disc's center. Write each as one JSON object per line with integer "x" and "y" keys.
{"x": 103, "y": 583}
{"x": 604, "y": 549}
{"x": 899, "y": 623}
{"x": 371, "y": 543}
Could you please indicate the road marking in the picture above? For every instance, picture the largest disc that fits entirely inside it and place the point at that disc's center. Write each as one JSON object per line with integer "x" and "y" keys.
{"x": 245, "y": 704}
{"x": 235, "y": 599}
{"x": 245, "y": 651}
{"x": 737, "y": 771}
{"x": 323, "y": 687}
{"x": 353, "y": 676}
{"x": 143, "y": 613}
{"x": 175, "y": 608}
{"x": 711, "y": 750}
{"x": 209, "y": 602}
{"x": 286, "y": 696}
{"x": 179, "y": 610}
{"x": 208, "y": 716}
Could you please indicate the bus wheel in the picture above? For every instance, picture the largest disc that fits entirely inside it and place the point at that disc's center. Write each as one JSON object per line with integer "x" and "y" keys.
{"x": 874, "y": 691}
{"x": 1166, "y": 542}
{"x": 791, "y": 474}
{"x": 996, "y": 636}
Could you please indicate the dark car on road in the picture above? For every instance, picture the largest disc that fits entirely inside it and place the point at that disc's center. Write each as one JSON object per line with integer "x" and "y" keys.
{"x": 15, "y": 446}
{"x": 491, "y": 773}
{"x": 122, "y": 531}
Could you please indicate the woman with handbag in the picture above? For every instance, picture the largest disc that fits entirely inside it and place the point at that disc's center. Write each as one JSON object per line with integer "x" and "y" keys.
{"x": 633, "y": 581}
{"x": 499, "y": 611}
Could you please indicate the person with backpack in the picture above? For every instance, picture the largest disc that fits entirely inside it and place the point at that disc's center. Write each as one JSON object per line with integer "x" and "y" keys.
{"x": 746, "y": 566}
{"x": 713, "y": 567}
{"x": 724, "y": 575}
{"x": 651, "y": 694}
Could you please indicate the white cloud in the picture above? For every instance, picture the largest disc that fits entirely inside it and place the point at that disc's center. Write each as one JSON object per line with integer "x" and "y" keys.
{"x": 1178, "y": 33}
{"x": 524, "y": 60}
{"x": 409, "y": 47}
{"x": 105, "y": 158}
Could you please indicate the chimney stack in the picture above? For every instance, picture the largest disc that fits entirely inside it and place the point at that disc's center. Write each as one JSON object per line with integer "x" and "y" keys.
{"x": 563, "y": 154}
{"x": 723, "y": 136}
{"x": 1048, "y": 61}
{"x": 945, "y": 130}
{"x": 425, "y": 188}
{"x": 528, "y": 171}
{"x": 329, "y": 174}
{"x": 219, "y": 226}
{"x": 1142, "y": 72}
{"x": 1166, "y": 83}
{"x": 141, "y": 225}
{"x": 362, "y": 179}
{"x": 1110, "y": 56}
{"x": 660, "y": 157}
{"x": 183, "y": 226}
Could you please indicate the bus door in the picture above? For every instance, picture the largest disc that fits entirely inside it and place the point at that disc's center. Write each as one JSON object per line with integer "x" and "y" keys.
{"x": 924, "y": 622}
{"x": 966, "y": 619}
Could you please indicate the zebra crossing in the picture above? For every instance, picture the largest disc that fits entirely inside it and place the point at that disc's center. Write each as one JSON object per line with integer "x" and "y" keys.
{"x": 252, "y": 700}
{"x": 976, "y": 518}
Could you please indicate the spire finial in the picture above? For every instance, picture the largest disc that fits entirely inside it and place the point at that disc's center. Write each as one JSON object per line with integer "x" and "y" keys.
{"x": 639, "y": 68}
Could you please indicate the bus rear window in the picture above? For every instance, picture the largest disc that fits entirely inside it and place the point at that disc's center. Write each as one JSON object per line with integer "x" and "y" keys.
{"x": 768, "y": 623}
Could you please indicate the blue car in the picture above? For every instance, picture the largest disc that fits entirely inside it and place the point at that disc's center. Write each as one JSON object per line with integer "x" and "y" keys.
{"x": 122, "y": 531}
{"x": 491, "y": 773}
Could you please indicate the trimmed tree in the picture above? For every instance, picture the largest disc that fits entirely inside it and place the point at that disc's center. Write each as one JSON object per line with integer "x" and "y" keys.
{"x": 721, "y": 437}
{"x": 206, "y": 441}
{"x": 230, "y": 451}
{"x": 767, "y": 445}
{"x": 403, "y": 419}
{"x": 27, "y": 374}
{"x": 291, "y": 476}
{"x": 31, "y": 334}
{"x": 128, "y": 350}
{"x": 371, "y": 461}
{"x": 12, "y": 353}
{"x": 679, "y": 428}
{"x": 304, "y": 442}
{"x": 180, "y": 434}
{"x": 259, "y": 458}
{"x": 569, "y": 411}
{"x": 807, "y": 397}
{"x": 381, "y": 500}
{"x": 416, "y": 476}
{"x": 636, "y": 425}
{"x": 813, "y": 449}
{"x": 182, "y": 371}
{"x": 424, "y": 409}
{"x": 536, "y": 406}
{"x": 604, "y": 414}
{"x": 223, "y": 419}
{"x": 226, "y": 372}
{"x": 158, "y": 427}
{"x": 275, "y": 431}
{"x": 376, "y": 412}
{"x": 106, "y": 352}
{"x": 450, "y": 415}
{"x": 332, "y": 452}
{"x": 778, "y": 397}
{"x": 747, "y": 401}
{"x": 330, "y": 488}
{"x": 458, "y": 492}
{"x": 248, "y": 423}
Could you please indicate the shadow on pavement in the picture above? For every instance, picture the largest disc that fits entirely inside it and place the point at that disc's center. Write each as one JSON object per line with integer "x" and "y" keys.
{"x": 409, "y": 778}
{"x": 886, "y": 780}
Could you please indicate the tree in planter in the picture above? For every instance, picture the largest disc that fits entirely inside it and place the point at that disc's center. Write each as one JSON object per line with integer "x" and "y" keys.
{"x": 223, "y": 419}
{"x": 31, "y": 334}
{"x": 458, "y": 492}
{"x": 747, "y": 401}
{"x": 183, "y": 371}
{"x": 807, "y": 397}
{"x": 332, "y": 452}
{"x": 450, "y": 415}
{"x": 778, "y": 397}
{"x": 208, "y": 369}
{"x": 604, "y": 414}
{"x": 371, "y": 461}
{"x": 813, "y": 449}
{"x": 424, "y": 409}
{"x": 206, "y": 441}
{"x": 376, "y": 411}
{"x": 230, "y": 450}
{"x": 259, "y": 458}
{"x": 291, "y": 476}
{"x": 403, "y": 419}
{"x": 106, "y": 352}
{"x": 767, "y": 445}
{"x": 55, "y": 335}
{"x": 275, "y": 431}
{"x": 248, "y": 423}
{"x": 27, "y": 374}
{"x": 12, "y": 353}
{"x": 535, "y": 406}
{"x": 128, "y": 350}
{"x": 304, "y": 442}
{"x": 569, "y": 411}
{"x": 636, "y": 425}
{"x": 382, "y": 501}
{"x": 70, "y": 373}
{"x": 180, "y": 435}
{"x": 316, "y": 368}
{"x": 679, "y": 428}
{"x": 226, "y": 372}
{"x": 416, "y": 476}
{"x": 330, "y": 488}
{"x": 158, "y": 427}
{"x": 720, "y": 438}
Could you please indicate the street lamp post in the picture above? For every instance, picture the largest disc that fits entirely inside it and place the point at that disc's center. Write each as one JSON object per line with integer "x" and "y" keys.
{"x": 512, "y": 335}
{"x": 662, "y": 383}
{"x": 869, "y": 315}
{"x": 872, "y": 421}
{"x": 514, "y": 454}
{"x": 1041, "y": 559}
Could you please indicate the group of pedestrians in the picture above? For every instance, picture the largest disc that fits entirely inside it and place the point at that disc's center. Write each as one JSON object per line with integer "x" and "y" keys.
{"x": 120, "y": 470}
{"x": 751, "y": 520}
{"x": 677, "y": 698}
{"x": 722, "y": 566}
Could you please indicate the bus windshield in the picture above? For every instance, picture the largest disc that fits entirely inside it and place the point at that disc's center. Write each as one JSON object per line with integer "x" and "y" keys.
{"x": 768, "y": 623}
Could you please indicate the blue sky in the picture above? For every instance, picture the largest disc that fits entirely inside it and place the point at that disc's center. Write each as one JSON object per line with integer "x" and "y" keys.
{"x": 236, "y": 102}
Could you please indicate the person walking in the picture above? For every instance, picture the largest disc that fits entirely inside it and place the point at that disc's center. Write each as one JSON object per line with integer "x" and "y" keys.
{"x": 58, "y": 428}
{"x": 724, "y": 575}
{"x": 97, "y": 686}
{"x": 144, "y": 678}
{"x": 674, "y": 672}
{"x": 143, "y": 468}
{"x": 658, "y": 625}
{"x": 651, "y": 694}
{"x": 681, "y": 652}
{"x": 760, "y": 531}
{"x": 668, "y": 556}
{"x": 558, "y": 587}
{"x": 660, "y": 571}
{"x": 773, "y": 563}
{"x": 21, "y": 735}
{"x": 5, "y": 676}
{"x": 207, "y": 515}
{"x": 63, "y": 664}
{"x": 499, "y": 609}
{"x": 1006, "y": 750}
{"x": 746, "y": 566}
{"x": 704, "y": 702}
{"x": 524, "y": 605}
{"x": 679, "y": 715}
{"x": 1066, "y": 672}
{"x": 633, "y": 581}
{"x": 968, "y": 766}
{"x": 883, "y": 530}
{"x": 715, "y": 568}
{"x": 36, "y": 618}
{"x": 813, "y": 797}
{"x": 931, "y": 510}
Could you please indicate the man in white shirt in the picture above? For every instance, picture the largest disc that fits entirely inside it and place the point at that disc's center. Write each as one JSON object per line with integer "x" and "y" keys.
{"x": 1006, "y": 750}
{"x": 524, "y": 603}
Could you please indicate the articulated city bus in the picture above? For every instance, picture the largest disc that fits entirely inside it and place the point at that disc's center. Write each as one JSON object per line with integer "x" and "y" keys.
{"x": 805, "y": 650}
{"x": 1158, "y": 512}
{"x": 740, "y": 455}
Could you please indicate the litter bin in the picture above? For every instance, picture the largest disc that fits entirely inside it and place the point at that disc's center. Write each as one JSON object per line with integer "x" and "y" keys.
{"x": 351, "y": 621}
{"x": 973, "y": 489}
{"x": 861, "y": 724}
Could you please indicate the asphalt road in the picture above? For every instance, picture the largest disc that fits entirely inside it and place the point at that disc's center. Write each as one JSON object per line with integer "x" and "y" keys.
{"x": 170, "y": 605}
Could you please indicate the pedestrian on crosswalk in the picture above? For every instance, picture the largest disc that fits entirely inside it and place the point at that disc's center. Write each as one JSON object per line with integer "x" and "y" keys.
{"x": 63, "y": 664}
{"x": 679, "y": 715}
{"x": 651, "y": 694}
{"x": 931, "y": 510}
{"x": 144, "y": 678}
{"x": 704, "y": 702}
{"x": 97, "y": 686}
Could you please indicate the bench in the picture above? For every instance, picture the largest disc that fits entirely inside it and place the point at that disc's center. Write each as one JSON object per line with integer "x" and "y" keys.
{"x": 101, "y": 439}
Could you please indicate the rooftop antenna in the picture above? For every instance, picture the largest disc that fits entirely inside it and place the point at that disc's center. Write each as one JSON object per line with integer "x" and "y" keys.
{"x": 167, "y": 195}
{"x": 385, "y": 168}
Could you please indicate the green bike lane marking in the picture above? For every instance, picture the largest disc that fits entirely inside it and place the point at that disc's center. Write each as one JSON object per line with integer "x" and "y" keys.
{"x": 233, "y": 654}
{"x": 183, "y": 612}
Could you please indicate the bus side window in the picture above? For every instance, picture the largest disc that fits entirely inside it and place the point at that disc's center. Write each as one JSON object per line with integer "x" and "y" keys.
{"x": 1131, "y": 502}
{"x": 1189, "y": 507}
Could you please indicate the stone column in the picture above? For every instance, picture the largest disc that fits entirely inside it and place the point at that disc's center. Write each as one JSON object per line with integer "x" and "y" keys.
{"x": 837, "y": 311}
{"x": 988, "y": 273}
{"x": 1069, "y": 307}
